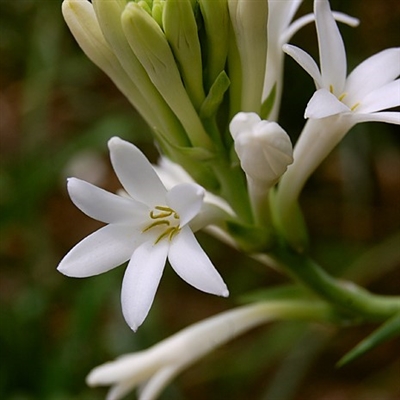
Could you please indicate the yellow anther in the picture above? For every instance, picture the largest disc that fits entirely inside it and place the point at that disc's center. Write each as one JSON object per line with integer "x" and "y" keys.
{"x": 157, "y": 223}
{"x": 354, "y": 107}
{"x": 170, "y": 232}
{"x": 165, "y": 213}
{"x": 342, "y": 96}
{"x": 163, "y": 216}
{"x": 331, "y": 88}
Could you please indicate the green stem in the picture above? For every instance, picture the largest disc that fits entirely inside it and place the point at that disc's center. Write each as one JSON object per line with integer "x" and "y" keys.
{"x": 345, "y": 295}
{"x": 232, "y": 180}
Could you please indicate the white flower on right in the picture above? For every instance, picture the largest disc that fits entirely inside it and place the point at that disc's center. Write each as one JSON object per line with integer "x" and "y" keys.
{"x": 369, "y": 89}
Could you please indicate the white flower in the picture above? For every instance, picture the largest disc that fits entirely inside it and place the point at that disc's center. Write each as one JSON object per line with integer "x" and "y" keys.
{"x": 338, "y": 104}
{"x": 265, "y": 151}
{"x": 280, "y": 30}
{"x": 370, "y": 88}
{"x": 154, "y": 368}
{"x": 147, "y": 227}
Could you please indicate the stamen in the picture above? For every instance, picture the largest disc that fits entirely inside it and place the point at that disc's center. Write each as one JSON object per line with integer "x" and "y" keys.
{"x": 157, "y": 223}
{"x": 171, "y": 232}
{"x": 355, "y": 106}
{"x": 163, "y": 216}
{"x": 342, "y": 96}
{"x": 331, "y": 88}
{"x": 167, "y": 212}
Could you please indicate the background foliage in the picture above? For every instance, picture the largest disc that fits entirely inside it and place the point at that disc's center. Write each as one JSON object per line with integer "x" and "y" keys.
{"x": 57, "y": 111}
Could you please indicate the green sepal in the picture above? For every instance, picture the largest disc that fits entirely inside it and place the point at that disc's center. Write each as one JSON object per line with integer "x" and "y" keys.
{"x": 268, "y": 104}
{"x": 215, "y": 96}
{"x": 251, "y": 238}
{"x": 387, "y": 331}
{"x": 195, "y": 153}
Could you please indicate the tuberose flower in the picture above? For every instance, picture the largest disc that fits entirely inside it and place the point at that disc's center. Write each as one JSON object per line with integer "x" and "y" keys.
{"x": 369, "y": 89}
{"x": 147, "y": 226}
{"x": 338, "y": 104}
{"x": 154, "y": 368}
{"x": 280, "y": 29}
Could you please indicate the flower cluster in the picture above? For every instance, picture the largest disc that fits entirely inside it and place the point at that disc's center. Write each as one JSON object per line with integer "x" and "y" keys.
{"x": 207, "y": 77}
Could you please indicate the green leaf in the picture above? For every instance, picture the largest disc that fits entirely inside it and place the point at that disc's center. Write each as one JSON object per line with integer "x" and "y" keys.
{"x": 387, "y": 331}
{"x": 195, "y": 153}
{"x": 215, "y": 96}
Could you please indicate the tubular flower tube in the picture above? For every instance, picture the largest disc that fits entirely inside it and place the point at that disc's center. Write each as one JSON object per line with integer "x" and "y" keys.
{"x": 265, "y": 151}
{"x": 154, "y": 368}
{"x": 147, "y": 226}
{"x": 338, "y": 104}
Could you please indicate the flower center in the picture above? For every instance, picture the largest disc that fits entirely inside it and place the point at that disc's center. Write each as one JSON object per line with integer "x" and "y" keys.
{"x": 165, "y": 220}
{"x": 342, "y": 97}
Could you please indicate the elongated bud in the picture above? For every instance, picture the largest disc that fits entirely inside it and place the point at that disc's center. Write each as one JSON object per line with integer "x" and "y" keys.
{"x": 148, "y": 42}
{"x": 263, "y": 147}
{"x": 249, "y": 22}
{"x": 180, "y": 29}
{"x": 216, "y": 22}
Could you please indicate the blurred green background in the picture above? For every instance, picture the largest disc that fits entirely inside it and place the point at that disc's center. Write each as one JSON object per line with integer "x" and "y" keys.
{"x": 57, "y": 112}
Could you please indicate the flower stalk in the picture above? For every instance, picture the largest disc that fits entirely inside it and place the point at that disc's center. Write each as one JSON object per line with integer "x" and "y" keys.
{"x": 352, "y": 300}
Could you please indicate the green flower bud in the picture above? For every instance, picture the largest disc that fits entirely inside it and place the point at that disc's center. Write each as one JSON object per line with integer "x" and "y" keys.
{"x": 150, "y": 45}
{"x": 249, "y": 21}
{"x": 180, "y": 29}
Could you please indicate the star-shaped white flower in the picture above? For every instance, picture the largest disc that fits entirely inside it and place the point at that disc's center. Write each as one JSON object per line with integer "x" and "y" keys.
{"x": 146, "y": 227}
{"x": 370, "y": 88}
{"x": 280, "y": 29}
{"x": 338, "y": 104}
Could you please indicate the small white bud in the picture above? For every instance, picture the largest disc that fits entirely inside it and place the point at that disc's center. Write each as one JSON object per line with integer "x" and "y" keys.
{"x": 263, "y": 147}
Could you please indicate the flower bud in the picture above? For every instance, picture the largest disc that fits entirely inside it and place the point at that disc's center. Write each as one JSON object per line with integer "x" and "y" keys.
{"x": 263, "y": 147}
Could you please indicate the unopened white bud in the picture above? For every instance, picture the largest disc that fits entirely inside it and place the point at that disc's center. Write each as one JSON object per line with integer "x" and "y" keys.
{"x": 263, "y": 147}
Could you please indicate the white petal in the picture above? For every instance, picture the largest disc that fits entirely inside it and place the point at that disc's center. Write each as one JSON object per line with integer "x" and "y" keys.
{"x": 243, "y": 122}
{"x": 141, "y": 280}
{"x": 306, "y": 62}
{"x": 280, "y": 14}
{"x": 154, "y": 386}
{"x": 170, "y": 173}
{"x": 135, "y": 173}
{"x": 324, "y": 104}
{"x": 186, "y": 199}
{"x": 390, "y": 117}
{"x": 306, "y": 19}
{"x": 101, "y": 251}
{"x": 385, "y": 97}
{"x": 192, "y": 264}
{"x": 332, "y": 54}
{"x": 373, "y": 73}
{"x": 104, "y": 206}
{"x": 119, "y": 390}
